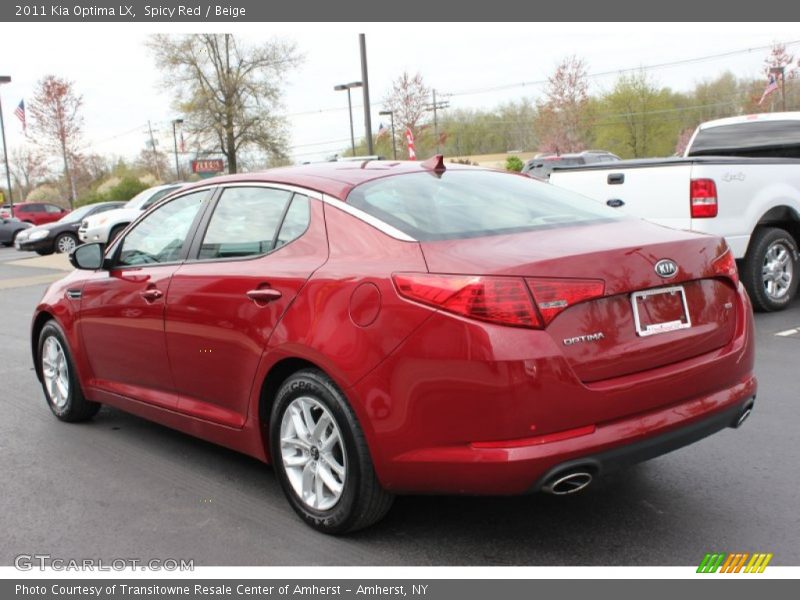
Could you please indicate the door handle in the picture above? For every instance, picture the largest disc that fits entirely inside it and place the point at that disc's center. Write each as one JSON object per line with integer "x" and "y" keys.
{"x": 264, "y": 295}
{"x": 616, "y": 178}
{"x": 151, "y": 294}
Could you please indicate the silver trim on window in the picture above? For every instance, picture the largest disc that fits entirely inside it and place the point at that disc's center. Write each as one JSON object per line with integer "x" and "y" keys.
{"x": 368, "y": 219}
{"x": 326, "y": 198}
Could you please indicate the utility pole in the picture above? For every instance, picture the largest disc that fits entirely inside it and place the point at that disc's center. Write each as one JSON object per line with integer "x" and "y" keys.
{"x": 6, "y": 79}
{"x": 435, "y": 107}
{"x": 175, "y": 122}
{"x": 155, "y": 152}
{"x": 362, "y": 40}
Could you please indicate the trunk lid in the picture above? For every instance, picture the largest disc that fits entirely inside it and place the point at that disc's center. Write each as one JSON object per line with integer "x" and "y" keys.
{"x": 623, "y": 254}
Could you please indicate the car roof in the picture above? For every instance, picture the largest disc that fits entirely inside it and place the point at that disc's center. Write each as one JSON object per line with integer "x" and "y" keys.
{"x": 333, "y": 178}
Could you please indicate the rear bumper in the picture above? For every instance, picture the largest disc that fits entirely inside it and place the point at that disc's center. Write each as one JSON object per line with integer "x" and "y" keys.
{"x": 653, "y": 446}
{"x": 518, "y": 469}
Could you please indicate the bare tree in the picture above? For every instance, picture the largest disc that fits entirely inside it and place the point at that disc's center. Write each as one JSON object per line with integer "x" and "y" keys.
{"x": 57, "y": 122}
{"x": 28, "y": 168}
{"x": 152, "y": 162}
{"x": 229, "y": 91}
{"x": 407, "y": 100}
{"x": 564, "y": 119}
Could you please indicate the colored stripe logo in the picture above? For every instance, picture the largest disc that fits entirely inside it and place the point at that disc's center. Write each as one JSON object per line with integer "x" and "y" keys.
{"x": 737, "y": 562}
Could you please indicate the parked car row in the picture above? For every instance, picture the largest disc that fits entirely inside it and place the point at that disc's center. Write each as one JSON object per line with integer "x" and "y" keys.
{"x": 45, "y": 228}
{"x": 35, "y": 213}
{"x": 62, "y": 235}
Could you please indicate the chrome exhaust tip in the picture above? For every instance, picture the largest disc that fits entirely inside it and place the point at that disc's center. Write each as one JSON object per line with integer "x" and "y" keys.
{"x": 743, "y": 417}
{"x": 570, "y": 483}
{"x": 747, "y": 410}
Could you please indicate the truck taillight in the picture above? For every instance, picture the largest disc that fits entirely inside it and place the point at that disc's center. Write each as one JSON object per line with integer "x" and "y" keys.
{"x": 703, "y": 195}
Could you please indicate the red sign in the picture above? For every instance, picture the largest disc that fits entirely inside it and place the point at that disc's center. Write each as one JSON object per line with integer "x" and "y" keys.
{"x": 208, "y": 165}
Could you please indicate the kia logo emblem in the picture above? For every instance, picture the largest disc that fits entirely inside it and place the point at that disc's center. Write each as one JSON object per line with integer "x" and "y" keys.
{"x": 666, "y": 268}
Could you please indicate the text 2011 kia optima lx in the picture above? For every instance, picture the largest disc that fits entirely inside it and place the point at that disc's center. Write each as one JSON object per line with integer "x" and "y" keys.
{"x": 393, "y": 327}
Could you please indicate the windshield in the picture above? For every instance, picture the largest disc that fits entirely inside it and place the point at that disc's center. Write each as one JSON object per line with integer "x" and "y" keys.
{"x": 77, "y": 214}
{"x": 138, "y": 199}
{"x": 461, "y": 204}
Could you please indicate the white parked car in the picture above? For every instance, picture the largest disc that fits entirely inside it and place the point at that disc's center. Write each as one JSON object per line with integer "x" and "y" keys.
{"x": 739, "y": 178}
{"x": 105, "y": 227}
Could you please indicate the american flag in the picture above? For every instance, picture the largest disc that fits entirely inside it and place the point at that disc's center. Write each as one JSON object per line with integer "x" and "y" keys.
{"x": 772, "y": 85}
{"x": 382, "y": 130}
{"x": 20, "y": 113}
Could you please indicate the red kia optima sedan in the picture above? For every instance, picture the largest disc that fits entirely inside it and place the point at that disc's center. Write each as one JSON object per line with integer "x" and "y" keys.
{"x": 379, "y": 328}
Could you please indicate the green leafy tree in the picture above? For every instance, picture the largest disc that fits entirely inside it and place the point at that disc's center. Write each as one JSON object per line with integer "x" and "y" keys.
{"x": 639, "y": 119}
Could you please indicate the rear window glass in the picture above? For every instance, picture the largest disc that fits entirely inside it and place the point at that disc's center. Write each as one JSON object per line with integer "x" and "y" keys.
{"x": 756, "y": 138}
{"x": 460, "y": 204}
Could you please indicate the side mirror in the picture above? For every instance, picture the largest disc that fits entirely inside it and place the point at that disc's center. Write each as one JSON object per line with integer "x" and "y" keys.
{"x": 88, "y": 257}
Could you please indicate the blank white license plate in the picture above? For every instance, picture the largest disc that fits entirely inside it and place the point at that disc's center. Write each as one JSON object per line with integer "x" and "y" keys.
{"x": 660, "y": 310}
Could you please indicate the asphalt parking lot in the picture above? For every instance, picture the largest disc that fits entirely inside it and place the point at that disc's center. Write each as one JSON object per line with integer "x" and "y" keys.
{"x": 121, "y": 487}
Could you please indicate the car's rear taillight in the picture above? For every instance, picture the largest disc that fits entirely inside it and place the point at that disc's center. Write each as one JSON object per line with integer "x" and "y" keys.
{"x": 553, "y": 296}
{"x": 703, "y": 195}
{"x": 725, "y": 266}
{"x": 503, "y": 300}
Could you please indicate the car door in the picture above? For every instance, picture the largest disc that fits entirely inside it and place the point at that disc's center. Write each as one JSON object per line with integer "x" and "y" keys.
{"x": 256, "y": 250}
{"x": 122, "y": 308}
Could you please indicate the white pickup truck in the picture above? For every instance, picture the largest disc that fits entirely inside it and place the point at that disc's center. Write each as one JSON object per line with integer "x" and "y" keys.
{"x": 738, "y": 178}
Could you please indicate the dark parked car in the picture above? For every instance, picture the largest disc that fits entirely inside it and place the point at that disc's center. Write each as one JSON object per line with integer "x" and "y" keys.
{"x": 10, "y": 229}
{"x": 61, "y": 236}
{"x": 381, "y": 328}
{"x": 38, "y": 213}
{"x": 542, "y": 166}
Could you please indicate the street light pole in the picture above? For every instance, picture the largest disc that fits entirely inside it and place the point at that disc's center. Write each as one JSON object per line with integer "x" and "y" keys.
{"x": 348, "y": 87}
{"x": 6, "y": 79}
{"x": 390, "y": 114}
{"x": 175, "y": 142}
{"x": 362, "y": 42}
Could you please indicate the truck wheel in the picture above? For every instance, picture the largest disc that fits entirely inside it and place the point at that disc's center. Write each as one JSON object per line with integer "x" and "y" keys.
{"x": 770, "y": 271}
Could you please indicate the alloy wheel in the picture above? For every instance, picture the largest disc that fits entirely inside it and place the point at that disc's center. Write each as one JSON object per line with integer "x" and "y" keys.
{"x": 778, "y": 270}
{"x": 313, "y": 455}
{"x": 55, "y": 372}
{"x": 66, "y": 243}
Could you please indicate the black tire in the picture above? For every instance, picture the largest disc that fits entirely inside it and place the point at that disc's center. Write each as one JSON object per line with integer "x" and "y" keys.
{"x": 115, "y": 231}
{"x": 74, "y": 407}
{"x": 46, "y": 252}
{"x": 63, "y": 241}
{"x": 764, "y": 241}
{"x": 363, "y": 501}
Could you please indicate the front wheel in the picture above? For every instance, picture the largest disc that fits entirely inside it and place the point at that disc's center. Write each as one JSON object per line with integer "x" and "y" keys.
{"x": 62, "y": 389}
{"x": 65, "y": 243}
{"x": 321, "y": 457}
{"x": 770, "y": 270}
